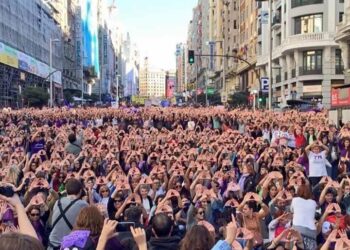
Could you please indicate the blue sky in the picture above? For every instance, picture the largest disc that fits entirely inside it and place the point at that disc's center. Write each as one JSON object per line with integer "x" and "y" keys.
{"x": 156, "y": 26}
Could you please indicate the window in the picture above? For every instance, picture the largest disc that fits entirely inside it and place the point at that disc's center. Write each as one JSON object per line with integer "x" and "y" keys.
{"x": 339, "y": 66}
{"x": 312, "y": 60}
{"x": 308, "y": 24}
{"x": 235, "y": 24}
{"x": 341, "y": 16}
{"x": 298, "y": 3}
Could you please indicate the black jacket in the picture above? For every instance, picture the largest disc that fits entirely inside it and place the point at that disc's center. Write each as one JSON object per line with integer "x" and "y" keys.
{"x": 249, "y": 184}
{"x": 164, "y": 243}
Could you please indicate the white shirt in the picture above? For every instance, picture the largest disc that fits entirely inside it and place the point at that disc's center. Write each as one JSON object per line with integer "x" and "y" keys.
{"x": 191, "y": 125}
{"x": 146, "y": 205}
{"x": 291, "y": 140}
{"x": 275, "y": 135}
{"x": 266, "y": 134}
{"x": 304, "y": 212}
{"x": 317, "y": 164}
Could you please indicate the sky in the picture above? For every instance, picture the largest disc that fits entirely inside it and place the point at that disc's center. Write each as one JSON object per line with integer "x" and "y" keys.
{"x": 156, "y": 26}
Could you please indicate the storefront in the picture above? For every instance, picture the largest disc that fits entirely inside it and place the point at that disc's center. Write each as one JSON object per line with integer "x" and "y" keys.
{"x": 312, "y": 91}
{"x": 340, "y": 104}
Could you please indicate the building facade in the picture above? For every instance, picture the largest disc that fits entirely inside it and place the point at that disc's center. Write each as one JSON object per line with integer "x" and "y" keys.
{"x": 306, "y": 60}
{"x": 67, "y": 13}
{"x": 343, "y": 39}
{"x": 214, "y": 30}
{"x": 180, "y": 68}
{"x": 130, "y": 67}
{"x": 247, "y": 77}
{"x": 26, "y": 28}
{"x": 152, "y": 81}
{"x": 231, "y": 38}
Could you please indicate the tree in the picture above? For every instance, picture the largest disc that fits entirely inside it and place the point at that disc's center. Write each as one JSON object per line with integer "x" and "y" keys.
{"x": 35, "y": 96}
{"x": 68, "y": 95}
{"x": 238, "y": 98}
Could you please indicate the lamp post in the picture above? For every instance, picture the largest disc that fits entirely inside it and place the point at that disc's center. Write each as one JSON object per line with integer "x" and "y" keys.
{"x": 51, "y": 87}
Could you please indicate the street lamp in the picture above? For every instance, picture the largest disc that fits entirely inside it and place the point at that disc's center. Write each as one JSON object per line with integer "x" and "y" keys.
{"x": 51, "y": 87}
{"x": 117, "y": 97}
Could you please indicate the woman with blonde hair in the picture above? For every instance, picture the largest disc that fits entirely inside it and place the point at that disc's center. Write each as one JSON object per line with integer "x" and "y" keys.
{"x": 12, "y": 175}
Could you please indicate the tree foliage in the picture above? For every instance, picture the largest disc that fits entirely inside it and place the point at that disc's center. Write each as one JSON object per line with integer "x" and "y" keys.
{"x": 35, "y": 96}
{"x": 238, "y": 99}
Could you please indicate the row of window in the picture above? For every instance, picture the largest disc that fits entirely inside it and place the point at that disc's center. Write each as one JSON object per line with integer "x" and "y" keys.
{"x": 298, "y": 3}
{"x": 312, "y": 60}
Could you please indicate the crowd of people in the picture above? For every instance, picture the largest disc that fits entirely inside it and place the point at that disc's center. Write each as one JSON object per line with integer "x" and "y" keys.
{"x": 173, "y": 178}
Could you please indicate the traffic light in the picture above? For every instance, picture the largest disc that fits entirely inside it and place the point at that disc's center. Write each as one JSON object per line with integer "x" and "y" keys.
{"x": 260, "y": 99}
{"x": 191, "y": 56}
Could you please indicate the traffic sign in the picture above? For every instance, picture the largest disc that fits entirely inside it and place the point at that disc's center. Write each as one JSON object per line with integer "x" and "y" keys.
{"x": 265, "y": 84}
{"x": 210, "y": 91}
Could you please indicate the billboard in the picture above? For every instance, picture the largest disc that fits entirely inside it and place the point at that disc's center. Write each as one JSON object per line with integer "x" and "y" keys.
{"x": 20, "y": 60}
{"x": 340, "y": 97}
{"x": 89, "y": 27}
{"x": 170, "y": 87}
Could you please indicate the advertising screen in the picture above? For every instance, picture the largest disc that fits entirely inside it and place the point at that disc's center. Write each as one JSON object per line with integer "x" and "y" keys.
{"x": 90, "y": 34}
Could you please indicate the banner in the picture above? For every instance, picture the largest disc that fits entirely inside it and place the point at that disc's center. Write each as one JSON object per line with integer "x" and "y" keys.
{"x": 22, "y": 61}
{"x": 139, "y": 100}
{"x": 78, "y": 30}
{"x": 264, "y": 17}
{"x": 211, "y": 49}
{"x": 340, "y": 97}
{"x": 8, "y": 56}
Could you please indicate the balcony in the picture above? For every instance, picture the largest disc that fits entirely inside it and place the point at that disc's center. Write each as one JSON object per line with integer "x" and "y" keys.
{"x": 305, "y": 71}
{"x": 293, "y": 73}
{"x": 298, "y": 3}
{"x": 309, "y": 40}
{"x": 339, "y": 69}
{"x": 276, "y": 21}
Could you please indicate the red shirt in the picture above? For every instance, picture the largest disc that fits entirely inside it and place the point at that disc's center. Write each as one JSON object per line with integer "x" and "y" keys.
{"x": 300, "y": 140}
{"x": 341, "y": 221}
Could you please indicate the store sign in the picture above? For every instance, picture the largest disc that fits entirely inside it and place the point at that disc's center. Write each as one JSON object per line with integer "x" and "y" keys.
{"x": 340, "y": 97}
{"x": 19, "y": 60}
{"x": 312, "y": 88}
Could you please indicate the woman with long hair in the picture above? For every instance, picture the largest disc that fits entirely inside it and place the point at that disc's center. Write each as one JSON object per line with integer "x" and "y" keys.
{"x": 197, "y": 238}
{"x": 303, "y": 208}
{"x": 88, "y": 228}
